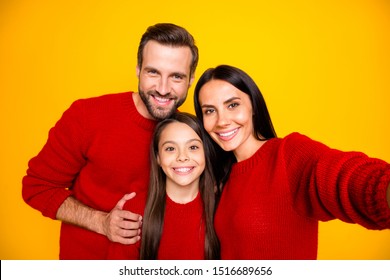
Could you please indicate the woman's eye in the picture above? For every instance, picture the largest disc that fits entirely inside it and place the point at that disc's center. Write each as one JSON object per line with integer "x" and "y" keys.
{"x": 233, "y": 105}
{"x": 208, "y": 111}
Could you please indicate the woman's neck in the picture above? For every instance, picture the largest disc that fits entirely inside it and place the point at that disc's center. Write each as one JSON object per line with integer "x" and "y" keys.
{"x": 246, "y": 151}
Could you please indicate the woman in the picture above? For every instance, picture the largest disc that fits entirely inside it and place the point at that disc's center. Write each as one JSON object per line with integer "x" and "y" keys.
{"x": 277, "y": 189}
{"x": 180, "y": 206}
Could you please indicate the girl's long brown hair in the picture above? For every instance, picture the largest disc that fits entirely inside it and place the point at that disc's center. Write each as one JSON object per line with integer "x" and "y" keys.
{"x": 155, "y": 204}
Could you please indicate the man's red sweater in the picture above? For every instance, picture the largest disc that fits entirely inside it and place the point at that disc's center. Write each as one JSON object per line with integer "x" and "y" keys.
{"x": 272, "y": 202}
{"x": 97, "y": 152}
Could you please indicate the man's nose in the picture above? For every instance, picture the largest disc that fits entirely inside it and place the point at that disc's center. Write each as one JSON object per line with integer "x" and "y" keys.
{"x": 163, "y": 86}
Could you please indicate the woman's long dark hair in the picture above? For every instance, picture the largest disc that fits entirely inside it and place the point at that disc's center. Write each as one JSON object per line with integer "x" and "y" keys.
{"x": 155, "y": 204}
{"x": 262, "y": 124}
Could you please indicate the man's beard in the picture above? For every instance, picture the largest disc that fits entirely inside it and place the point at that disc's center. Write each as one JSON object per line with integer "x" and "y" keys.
{"x": 158, "y": 112}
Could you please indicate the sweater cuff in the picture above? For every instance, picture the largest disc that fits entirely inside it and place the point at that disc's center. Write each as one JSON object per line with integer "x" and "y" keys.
{"x": 382, "y": 208}
{"x": 56, "y": 200}
{"x": 374, "y": 198}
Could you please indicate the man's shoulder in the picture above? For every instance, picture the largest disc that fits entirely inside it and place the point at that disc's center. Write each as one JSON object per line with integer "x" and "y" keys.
{"x": 102, "y": 101}
{"x": 106, "y": 97}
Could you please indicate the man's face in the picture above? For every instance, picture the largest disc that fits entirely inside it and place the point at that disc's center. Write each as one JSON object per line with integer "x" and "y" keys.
{"x": 164, "y": 78}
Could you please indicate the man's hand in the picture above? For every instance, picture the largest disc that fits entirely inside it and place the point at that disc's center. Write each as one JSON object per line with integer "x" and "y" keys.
{"x": 118, "y": 225}
{"x": 122, "y": 226}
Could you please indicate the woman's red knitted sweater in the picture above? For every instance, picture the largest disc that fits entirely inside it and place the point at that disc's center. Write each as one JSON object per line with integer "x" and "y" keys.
{"x": 97, "y": 152}
{"x": 272, "y": 202}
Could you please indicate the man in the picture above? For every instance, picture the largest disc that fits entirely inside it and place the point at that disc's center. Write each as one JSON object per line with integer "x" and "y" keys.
{"x": 99, "y": 149}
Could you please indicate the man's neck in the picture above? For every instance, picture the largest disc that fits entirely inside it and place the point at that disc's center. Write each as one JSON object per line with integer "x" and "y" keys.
{"x": 140, "y": 106}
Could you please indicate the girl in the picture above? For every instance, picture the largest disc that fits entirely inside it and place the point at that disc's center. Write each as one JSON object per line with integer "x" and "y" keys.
{"x": 277, "y": 189}
{"x": 178, "y": 218}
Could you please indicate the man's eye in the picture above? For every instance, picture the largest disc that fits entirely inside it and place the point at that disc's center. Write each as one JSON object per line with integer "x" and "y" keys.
{"x": 178, "y": 77}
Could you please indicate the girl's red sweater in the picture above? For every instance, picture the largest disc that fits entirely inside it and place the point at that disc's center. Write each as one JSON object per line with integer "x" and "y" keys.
{"x": 183, "y": 235}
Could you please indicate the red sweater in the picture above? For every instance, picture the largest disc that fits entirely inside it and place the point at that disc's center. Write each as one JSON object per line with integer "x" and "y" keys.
{"x": 272, "y": 202}
{"x": 183, "y": 234}
{"x": 97, "y": 152}
{"x": 182, "y": 238}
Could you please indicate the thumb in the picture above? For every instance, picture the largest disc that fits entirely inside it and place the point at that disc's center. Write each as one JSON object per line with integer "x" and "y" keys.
{"x": 123, "y": 200}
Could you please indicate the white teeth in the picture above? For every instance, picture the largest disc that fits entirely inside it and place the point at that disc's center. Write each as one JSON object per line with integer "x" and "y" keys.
{"x": 227, "y": 134}
{"x": 160, "y": 99}
{"x": 183, "y": 169}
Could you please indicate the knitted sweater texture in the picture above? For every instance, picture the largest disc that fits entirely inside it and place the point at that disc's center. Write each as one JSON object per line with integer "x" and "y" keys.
{"x": 272, "y": 202}
{"x": 183, "y": 234}
{"x": 97, "y": 152}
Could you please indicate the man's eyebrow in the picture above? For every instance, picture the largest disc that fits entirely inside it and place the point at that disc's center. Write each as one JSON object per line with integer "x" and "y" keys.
{"x": 148, "y": 68}
{"x": 183, "y": 75}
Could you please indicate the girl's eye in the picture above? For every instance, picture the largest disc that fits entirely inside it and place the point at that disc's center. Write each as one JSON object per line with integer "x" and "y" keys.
{"x": 169, "y": 149}
{"x": 193, "y": 147}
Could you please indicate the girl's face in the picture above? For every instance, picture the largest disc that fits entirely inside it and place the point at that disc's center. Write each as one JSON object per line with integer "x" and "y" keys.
{"x": 227, "y": 117}
{"x": 181, "y": 156}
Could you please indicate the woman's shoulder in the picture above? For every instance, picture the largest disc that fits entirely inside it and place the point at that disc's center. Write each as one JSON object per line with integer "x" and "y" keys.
{"x": 292, "y": 139}
{"x": 296, "y": 145}
{"x": 298, "y": 139}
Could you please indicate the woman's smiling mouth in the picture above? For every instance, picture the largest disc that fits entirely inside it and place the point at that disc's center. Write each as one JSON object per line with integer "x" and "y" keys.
{"x": 227, "y": 135}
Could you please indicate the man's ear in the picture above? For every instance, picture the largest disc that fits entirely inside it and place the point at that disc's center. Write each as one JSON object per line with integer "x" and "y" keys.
{"x": 192, "y": 79}
{"x": 138, "y": 70}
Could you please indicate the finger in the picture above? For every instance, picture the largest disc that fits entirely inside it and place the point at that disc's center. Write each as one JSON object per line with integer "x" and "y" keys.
{"x": 126, "y": 236}
{"x": 129, "y": 225}
{"x": 128, "y": 215}
{"x": 129, "y": 233}
{"x": 123, "y": 200}
{"x": 128, "y": 241}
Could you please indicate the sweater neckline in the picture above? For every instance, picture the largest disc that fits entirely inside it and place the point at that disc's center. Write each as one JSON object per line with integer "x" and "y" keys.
{"x": 134, "y": 115}
{"x": 248, "y": 164}
{"x": 182, "y": 205}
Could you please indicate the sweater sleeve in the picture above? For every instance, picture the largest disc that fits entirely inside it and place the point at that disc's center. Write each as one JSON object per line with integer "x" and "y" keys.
{"x": 330, "y": 184}
{"x": 50, "y": 174}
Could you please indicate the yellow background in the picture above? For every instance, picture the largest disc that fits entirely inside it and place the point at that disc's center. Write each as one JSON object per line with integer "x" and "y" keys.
{"x": 323, "y": 67}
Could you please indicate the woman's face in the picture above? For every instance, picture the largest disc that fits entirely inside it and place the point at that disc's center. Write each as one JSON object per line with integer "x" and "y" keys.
{"x": 227, "y": 117}
{"x": 181, "y": 155}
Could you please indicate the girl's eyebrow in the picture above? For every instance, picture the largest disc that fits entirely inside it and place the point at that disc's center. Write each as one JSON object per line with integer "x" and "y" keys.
{"x": 225, "y": 102}
{"x": 175, "y": 143}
